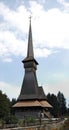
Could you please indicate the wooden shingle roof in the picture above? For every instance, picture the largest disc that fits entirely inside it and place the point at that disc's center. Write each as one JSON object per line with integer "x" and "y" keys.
{"x": 32, "y": 104}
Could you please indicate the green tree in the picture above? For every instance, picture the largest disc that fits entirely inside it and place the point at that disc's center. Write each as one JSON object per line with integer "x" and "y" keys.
{"x": 61, "y": 103}
{"x": 52, "y": 99}
{"x": 11, "y": 104}
{"x": 4, "y": 105}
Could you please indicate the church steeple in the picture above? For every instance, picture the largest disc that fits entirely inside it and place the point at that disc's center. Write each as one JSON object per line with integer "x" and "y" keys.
{"x": 29, "y": 88}
{"x": 30, "y": 52}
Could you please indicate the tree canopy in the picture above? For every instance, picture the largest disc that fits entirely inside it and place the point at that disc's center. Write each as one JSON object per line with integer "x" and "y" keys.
{"x": 61, "y": 103}
{"x": 58, "y": 102}
{"x": 4, "y": 105}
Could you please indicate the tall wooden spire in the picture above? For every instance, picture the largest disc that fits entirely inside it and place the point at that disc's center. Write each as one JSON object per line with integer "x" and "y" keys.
{"x": 30, "y": 52}
{"x": 29, "y": 88}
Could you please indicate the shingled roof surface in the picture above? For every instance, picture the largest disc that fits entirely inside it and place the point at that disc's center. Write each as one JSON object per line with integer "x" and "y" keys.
{"x": 32, "y": 104}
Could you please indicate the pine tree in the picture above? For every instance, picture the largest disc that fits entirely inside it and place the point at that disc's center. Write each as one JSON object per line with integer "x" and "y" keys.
{"x": 61, "y": 103}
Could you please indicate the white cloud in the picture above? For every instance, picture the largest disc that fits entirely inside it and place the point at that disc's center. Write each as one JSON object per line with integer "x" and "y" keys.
{"x": 65, "y": 4}
{"x": 11, "y": 91}
{"x": 9, "y": 44}
{"x": 17, "y": 18}
{"x": 50, "y": 29}
{"x": 42, "y": 52}
{"x": 7, "y": 59}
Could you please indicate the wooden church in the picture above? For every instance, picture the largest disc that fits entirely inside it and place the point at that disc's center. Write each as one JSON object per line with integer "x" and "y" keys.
{"x": 32, "y": 99}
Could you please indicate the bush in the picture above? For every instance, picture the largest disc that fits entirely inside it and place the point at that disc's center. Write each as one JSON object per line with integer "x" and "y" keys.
{"x": 2, "y": 122}
{"x": 11, "y": 119}
{"x": 26, "y": 121}
{"x": 20, "y": 122}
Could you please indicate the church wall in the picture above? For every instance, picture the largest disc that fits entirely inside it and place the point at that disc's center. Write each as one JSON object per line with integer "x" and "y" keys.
{"x": 22, "y": 113}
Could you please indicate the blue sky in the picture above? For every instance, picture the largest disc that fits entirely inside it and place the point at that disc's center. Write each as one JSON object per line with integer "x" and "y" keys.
{"x": 50, "y": 30}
